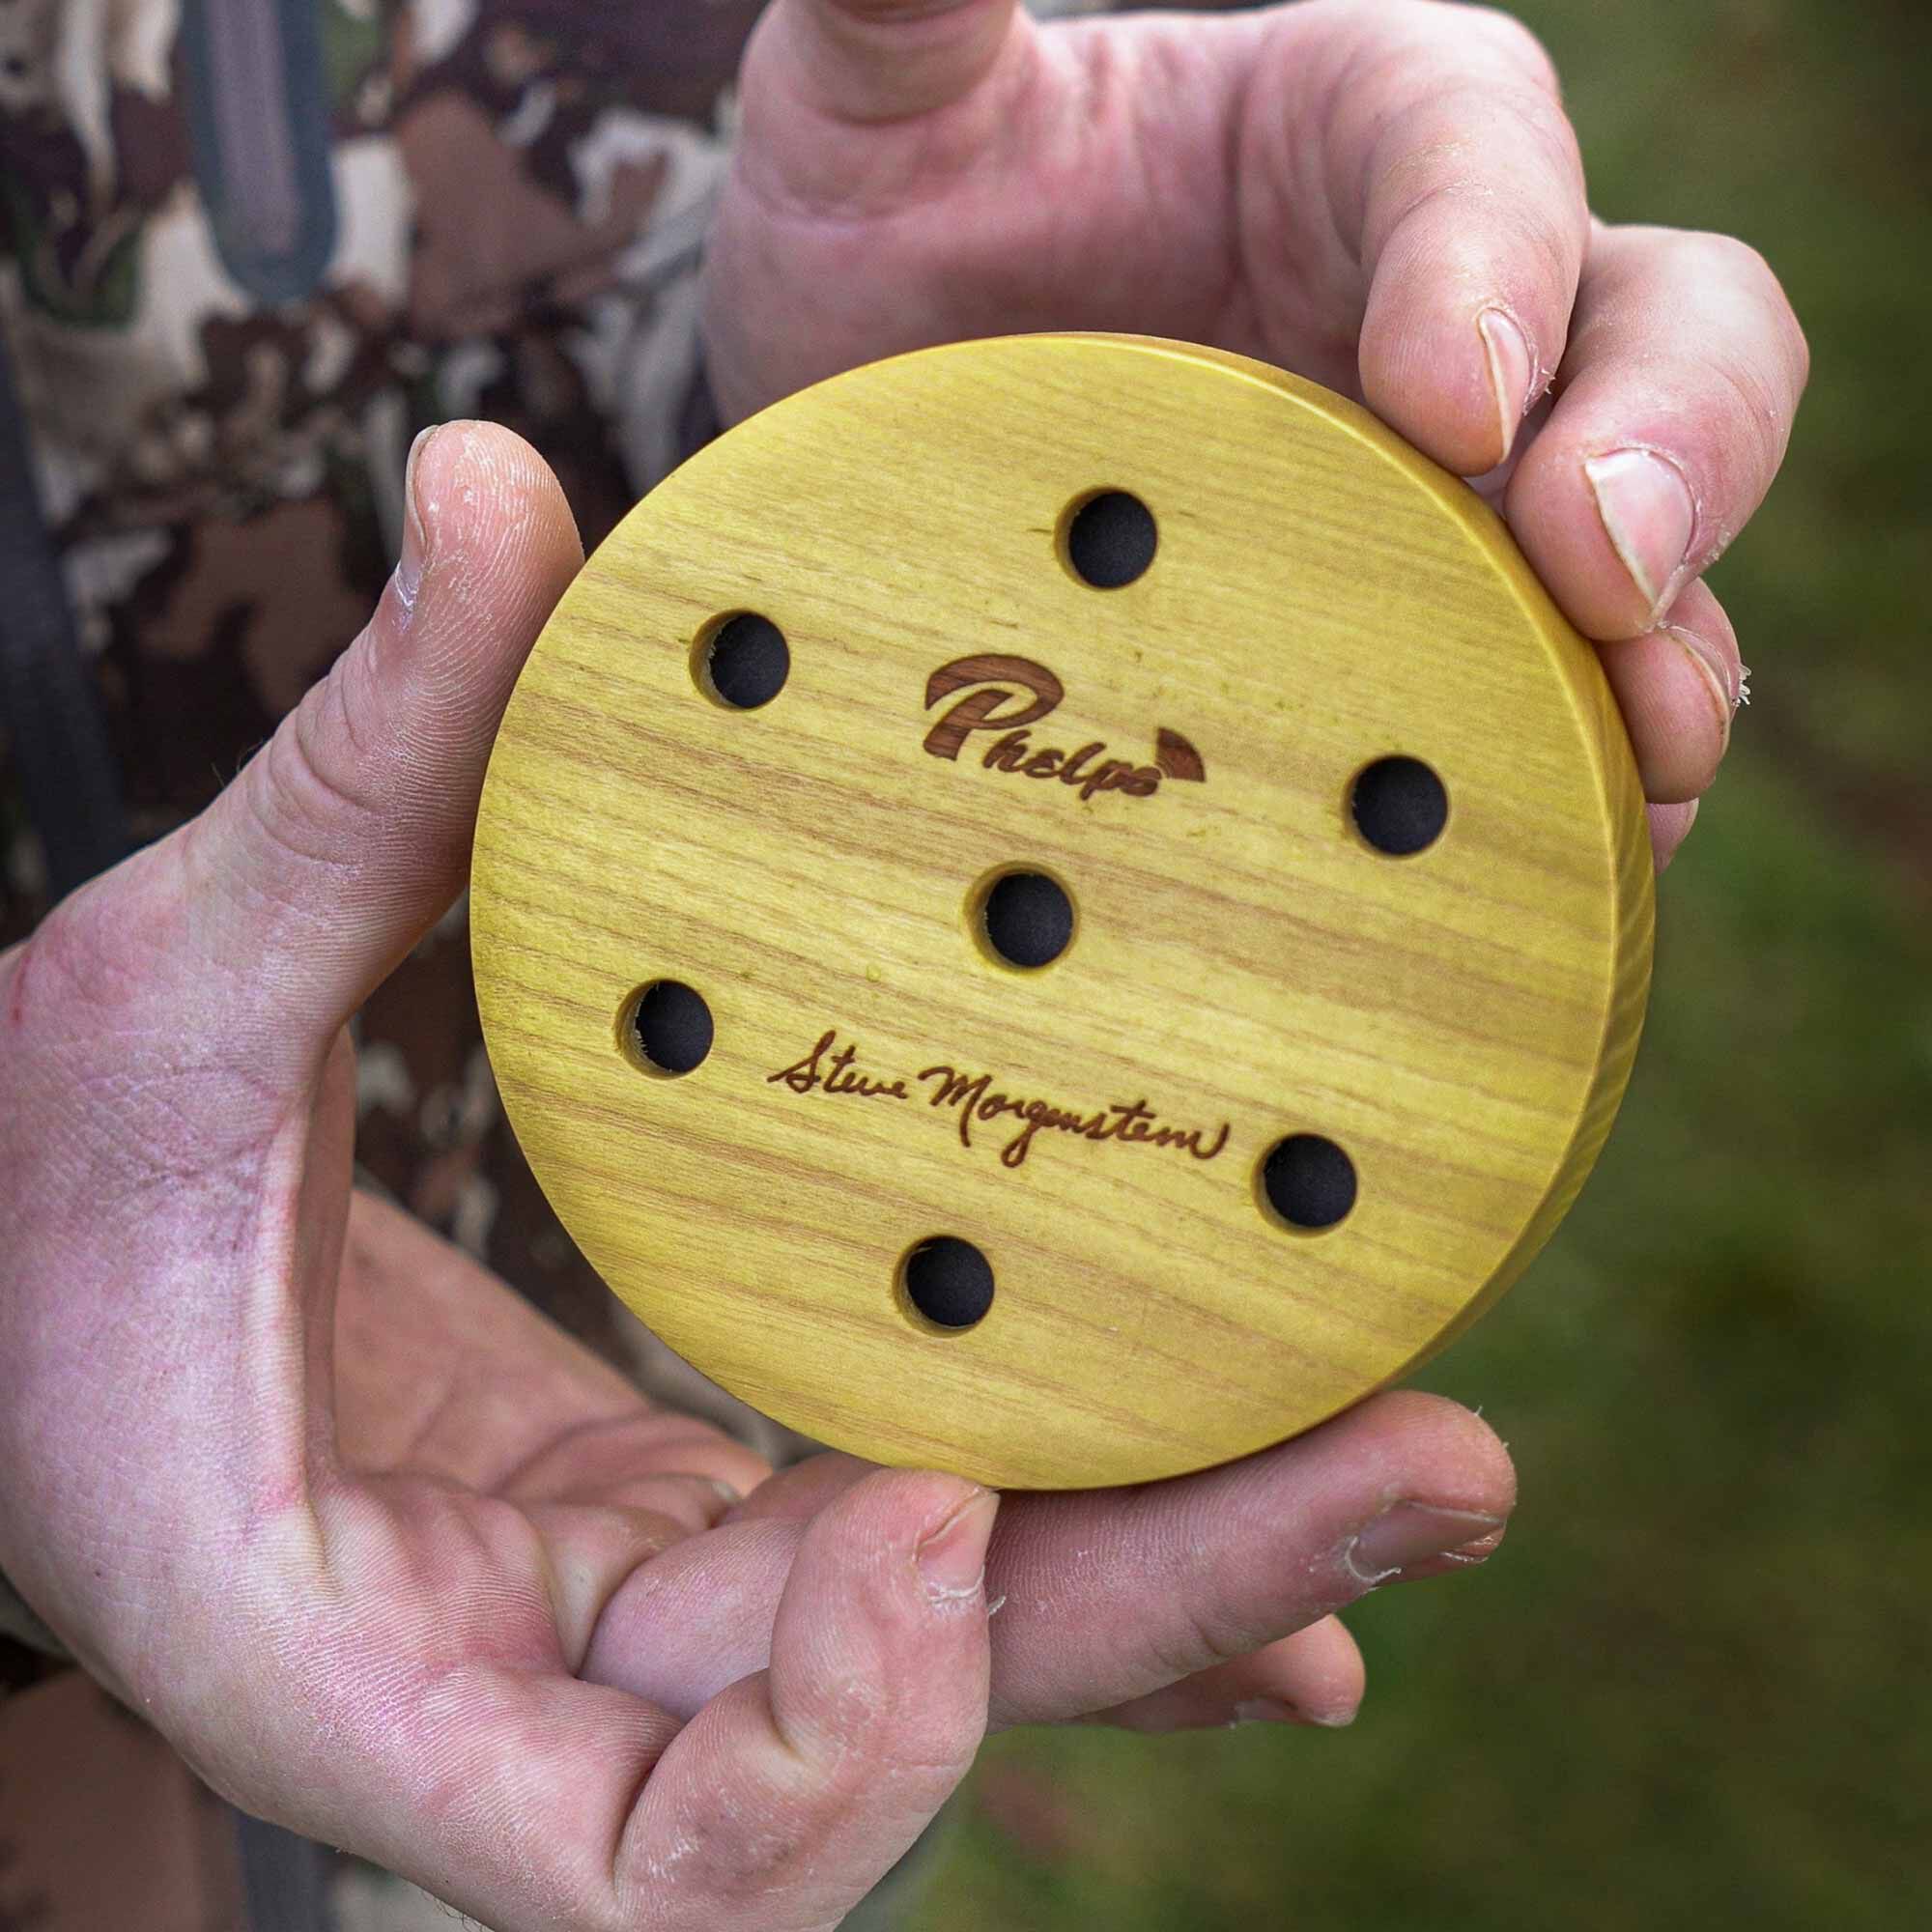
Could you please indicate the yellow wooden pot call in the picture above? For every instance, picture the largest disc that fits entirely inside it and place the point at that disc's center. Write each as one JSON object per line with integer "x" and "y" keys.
{"x": 1061, "y": 908}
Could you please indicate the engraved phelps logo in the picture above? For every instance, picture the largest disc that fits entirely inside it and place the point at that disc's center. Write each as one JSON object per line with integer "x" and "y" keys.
{"x": 974, "y": 1100}
{"x": 1009, "y": 696}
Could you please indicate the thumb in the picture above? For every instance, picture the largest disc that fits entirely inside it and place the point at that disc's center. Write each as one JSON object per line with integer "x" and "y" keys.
{"x": 881, "y": 60}
{"x": 348, "y": 835}
{"x": 797, "y": 1788}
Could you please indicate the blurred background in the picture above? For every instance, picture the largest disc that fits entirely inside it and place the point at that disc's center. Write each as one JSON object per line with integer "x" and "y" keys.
{"x": 1696, "y": 1683}
{"x": 1693, "y": 1686}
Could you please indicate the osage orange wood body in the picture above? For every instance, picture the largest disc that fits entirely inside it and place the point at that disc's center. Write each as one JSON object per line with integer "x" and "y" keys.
{"x": 1180, "y": 754}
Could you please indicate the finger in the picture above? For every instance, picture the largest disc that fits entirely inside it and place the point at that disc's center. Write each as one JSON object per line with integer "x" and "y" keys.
{"x": 452, "y": 1743}
{"x": 1111, "y": 1595}
{"x": 682, "y": 1628}
{"x": 1678, "y": 686}
{"x": 1677, "y": 395}
{"x": 792, "y": 1794}
{"x": 1469, "y": 222}
{"x": 1314, "y": 1677}
{"x": 805, "y": 1489}
{"x": 1669, "y": 826}
{"x": 869, "y": 61}
{"x": 699, "y": 1617}
{"x": 349, "y": 833}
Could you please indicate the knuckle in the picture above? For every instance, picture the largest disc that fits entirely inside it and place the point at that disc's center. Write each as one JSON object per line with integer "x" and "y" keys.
{"x": 1201, "y": 1639}
{"x": 1749, "y": 344}
{"x": 1515, "y": 43}
{"x": 1709, "y": 253}
{"x": 1728, "y": 255}
{"x": 1796, "y": 343}
{"x": 1756, "y": 273}
{"x": 1800, "y": 344}
{"x": 1752, "y": 394}
{"x": 1458, "y": 137}
{"x": 866, "y": 1735}
{"x": 306, "y": 789}
{"x": 1746, "y": 266}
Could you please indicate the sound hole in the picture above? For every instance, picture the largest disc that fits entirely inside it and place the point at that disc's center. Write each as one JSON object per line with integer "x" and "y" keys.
{"x": 1027, "y": 919}
{"x": 1309, "y": 1181}
{"x": 672, "y": 1027}
{"x": 1400, "y": 806}
{"x": 746, "y": 660}
{"x": 949, "y": 1281}
{"x": 1110, "y": 539}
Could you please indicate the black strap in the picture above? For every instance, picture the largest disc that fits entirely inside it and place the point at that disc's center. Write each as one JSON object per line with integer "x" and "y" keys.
{"x": 285, "y": 1879}
{"x": 46, "y": 702}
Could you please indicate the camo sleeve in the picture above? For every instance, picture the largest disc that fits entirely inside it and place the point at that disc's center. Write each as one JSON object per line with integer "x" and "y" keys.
{"x": 234, "y": 288}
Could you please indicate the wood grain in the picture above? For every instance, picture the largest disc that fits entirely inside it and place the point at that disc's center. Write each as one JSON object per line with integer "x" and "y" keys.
{"x": 1244, "y": 966}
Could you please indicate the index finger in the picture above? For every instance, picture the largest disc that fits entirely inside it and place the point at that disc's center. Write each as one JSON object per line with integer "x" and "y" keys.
{"x": 1678, "y": 391}
{"x": 1111, "y": 1595}
{"x": 1469, "y": 221}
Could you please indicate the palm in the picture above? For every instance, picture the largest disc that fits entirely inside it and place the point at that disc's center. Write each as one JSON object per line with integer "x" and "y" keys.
{"x": 504, "y": 1457}
{"x": 443, "y": 1375}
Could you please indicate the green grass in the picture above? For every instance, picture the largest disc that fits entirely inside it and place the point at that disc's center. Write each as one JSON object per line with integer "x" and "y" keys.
{"x": 1693, "y": 1689}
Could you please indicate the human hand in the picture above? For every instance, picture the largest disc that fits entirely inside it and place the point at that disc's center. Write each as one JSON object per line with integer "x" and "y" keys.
{"x": 396, "y": 1564}
{"x": 350, "y": 1554}
{"x": 1386, "y": 198}
{"x": 1192, "y": 1603}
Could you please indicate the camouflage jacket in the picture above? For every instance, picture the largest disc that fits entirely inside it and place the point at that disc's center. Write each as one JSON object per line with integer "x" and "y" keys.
{"x": 238, "y": 286}
{"x": 237, "y": 279}
{"x": 247, "y": 249}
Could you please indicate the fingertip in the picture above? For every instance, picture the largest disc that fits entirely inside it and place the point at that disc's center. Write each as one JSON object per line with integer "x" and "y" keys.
{"x": 1679, "y": 390}
{"x": 1314, "y": 1675}
{"x": 1516, "y": 376}
{"x": 897, "y": 1510}
{"x": 490, "y": 546}
{"x": 1427, "y": 1457}
{"x": 1596, "y": 532}
{"x": 1456, "y": 384}
{"x": 897, "y": 1551}
{"x": 1669, "y": 826}
{"x": 1323, "y": 1675}
{"x": 355, "y": 820}
{"x": 1675, "y": 709}
{"x": 1478, "y": 1550}
{"x": 476, "y": 489}
{"x": 951, "y": 1556}
{"x": 1679, "y": 686}
{"x": 1473, "y": 232}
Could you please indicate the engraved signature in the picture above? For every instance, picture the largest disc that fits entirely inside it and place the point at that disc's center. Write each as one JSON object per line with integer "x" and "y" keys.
{"x": 835, "y": 1075}
{"x": 975, "y": 1100}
